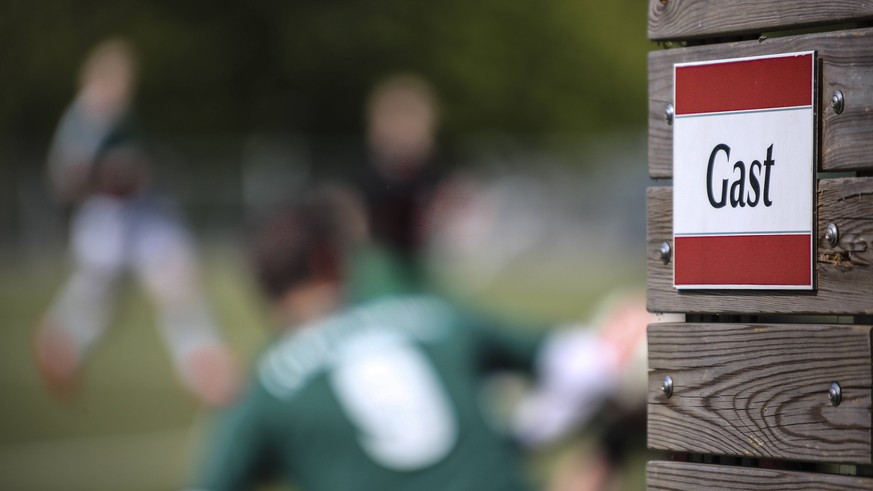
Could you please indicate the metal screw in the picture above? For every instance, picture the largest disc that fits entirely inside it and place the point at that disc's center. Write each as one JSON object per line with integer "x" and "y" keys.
{"x": 832, "y": 234}
{"x": 667, "y": 386}
{"x": 669, "y": 111}
{"x": 835, "y": 394}
{"x": 665, "y": 252}
{"x": 837, "y": 101}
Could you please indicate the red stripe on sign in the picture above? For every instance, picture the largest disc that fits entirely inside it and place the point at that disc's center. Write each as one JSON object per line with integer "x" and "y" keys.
{"x": 760, "y": 260}
{"x": 763, "y": 83}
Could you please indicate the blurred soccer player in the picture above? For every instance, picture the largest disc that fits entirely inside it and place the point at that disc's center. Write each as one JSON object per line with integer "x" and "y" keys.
{"x": 401, "y": 176}
{"x": 386, "y": 395}
{"x": 99, "y": 162}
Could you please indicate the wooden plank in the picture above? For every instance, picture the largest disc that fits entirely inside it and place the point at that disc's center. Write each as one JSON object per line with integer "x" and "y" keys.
{"x": 761, "y": 391}
{"x": 683, "y": 476}
{"x": 846, "y": 64}
{"x": 844, "y": 274}
{"x": 690, "y": 19}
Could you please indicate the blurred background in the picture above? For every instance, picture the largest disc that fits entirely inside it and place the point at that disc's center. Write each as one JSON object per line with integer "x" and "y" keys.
{"x": 542, "y": 107}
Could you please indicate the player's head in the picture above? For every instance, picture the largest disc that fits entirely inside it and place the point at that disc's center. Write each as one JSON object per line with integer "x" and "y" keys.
{"x": 298, "y": 257}
{"x": 402, "y": 118}
{"x": 107, "y": 80}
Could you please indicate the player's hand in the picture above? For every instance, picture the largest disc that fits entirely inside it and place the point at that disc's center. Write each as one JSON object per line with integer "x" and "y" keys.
{"x": 624, "y": 328}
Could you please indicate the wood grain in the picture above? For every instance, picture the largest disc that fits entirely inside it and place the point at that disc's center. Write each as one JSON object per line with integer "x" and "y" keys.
{"x": 846, "y": 63}
{"x": 760, "y": 390}
{"x": 690, "y": 19}
{"x": 682, "y": 476}
{"x": 844, "y": 274}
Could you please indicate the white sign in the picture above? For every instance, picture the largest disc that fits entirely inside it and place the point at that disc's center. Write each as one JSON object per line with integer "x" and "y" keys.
{"x": 743, "y": 173}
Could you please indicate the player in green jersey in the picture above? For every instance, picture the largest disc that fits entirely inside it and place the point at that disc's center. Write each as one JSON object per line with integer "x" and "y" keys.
{"x": 384, "y": 395}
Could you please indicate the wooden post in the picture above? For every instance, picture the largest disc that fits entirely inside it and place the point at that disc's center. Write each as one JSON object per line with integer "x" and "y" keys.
{"x": 751, "y": 370}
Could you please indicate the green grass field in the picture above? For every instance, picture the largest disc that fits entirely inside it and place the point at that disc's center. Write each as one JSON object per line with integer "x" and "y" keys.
{"x": 131, "y": 426}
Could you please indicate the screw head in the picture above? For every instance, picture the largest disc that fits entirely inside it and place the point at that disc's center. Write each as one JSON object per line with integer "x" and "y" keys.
{"x": 837, "y": 101}
{"x": 832, "y": 234}
{"x": 667, "y": 386}
{"x": 669, "y": 112}
{"x": 665, "y": 252}
{"x": 835, "y": 394}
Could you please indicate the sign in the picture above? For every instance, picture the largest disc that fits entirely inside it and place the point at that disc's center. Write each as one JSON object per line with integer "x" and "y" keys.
{"x": 743, "y": 173}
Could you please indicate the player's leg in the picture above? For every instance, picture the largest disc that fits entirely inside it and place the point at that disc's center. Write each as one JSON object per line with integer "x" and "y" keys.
{"x": 80, "y": 313}
{"x": 165, "y": 261}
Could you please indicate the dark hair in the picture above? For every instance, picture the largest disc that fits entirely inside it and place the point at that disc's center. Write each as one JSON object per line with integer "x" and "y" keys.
{"x": 298, "y": 244}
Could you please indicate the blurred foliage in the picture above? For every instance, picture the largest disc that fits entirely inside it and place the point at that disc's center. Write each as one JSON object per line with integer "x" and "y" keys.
{"x": 525, "y": 66}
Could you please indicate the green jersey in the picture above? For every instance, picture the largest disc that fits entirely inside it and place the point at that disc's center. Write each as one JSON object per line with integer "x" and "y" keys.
{"x": 385, "y": 396}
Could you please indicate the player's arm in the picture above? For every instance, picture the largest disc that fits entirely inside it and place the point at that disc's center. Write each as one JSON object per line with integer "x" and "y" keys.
{"x": 577, "y": 368}
{"x": 572, "y": 367}
{"x": 503, "y": 346}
